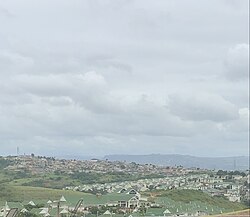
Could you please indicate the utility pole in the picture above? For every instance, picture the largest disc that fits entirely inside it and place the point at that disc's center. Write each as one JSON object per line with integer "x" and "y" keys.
{"x": 58, "y": 209}
{"x": 17, "y": 151}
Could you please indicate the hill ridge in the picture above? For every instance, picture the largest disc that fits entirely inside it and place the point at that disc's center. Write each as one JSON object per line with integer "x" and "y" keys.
{"x": 225, "y": 163}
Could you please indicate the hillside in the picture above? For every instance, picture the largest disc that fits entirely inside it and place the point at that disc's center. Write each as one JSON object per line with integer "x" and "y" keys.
{"x": 224, "y": 163}
{"x": 183, "y": 200}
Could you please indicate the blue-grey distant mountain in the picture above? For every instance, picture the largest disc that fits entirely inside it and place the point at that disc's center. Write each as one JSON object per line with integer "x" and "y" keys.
{"x": 77, "y": 157}
{"x": 224, "y": 163}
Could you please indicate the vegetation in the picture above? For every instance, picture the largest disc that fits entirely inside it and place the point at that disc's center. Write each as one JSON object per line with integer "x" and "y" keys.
{"x": 58, "y": 180}
{"x": 26, "y": 193}
{"x": 19, "y": 186}
{"x": 4, "y": 163}
{"x": 88, "y": 178}
{"x": 195, "y": 195}
{"x": 230, "y": 173}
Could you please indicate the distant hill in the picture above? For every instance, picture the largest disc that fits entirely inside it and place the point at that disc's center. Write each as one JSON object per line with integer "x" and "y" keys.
{"x": 224, "y": 163}
{"x": 77, "y": 157}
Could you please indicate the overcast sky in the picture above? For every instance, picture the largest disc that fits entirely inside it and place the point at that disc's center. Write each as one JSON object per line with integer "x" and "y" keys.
{"x": 96, "y": 77}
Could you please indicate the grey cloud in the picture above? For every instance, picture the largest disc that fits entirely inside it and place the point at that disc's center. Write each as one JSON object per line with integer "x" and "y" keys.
{"x": 241, "y": 125}
{"x": 108, "y": 63}
{"x": 6, "y": 13}
{"x": 202, "y": 107}
{"x": 12, "y": 62}
{"x": 88, "y": 89}
{"x": 93, "y": 74}
{"x": 237, "y": 62}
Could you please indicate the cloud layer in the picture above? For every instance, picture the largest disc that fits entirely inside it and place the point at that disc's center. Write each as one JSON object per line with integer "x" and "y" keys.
{"x": 104, "y": 76}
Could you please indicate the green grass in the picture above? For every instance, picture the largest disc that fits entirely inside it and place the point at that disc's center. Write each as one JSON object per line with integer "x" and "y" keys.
{"x": 183, "y": 200}
{"x": 49, "y": 180}
{"x": 189, "y": 198}
{"x": 59, "y": 180}
{"x": 40, "y": 195}
{"x": 22, "y": 186}
{"x": 194, "y": 195}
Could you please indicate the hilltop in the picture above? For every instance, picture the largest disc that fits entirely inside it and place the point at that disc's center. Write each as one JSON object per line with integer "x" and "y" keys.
{"x": 187, "y": 161}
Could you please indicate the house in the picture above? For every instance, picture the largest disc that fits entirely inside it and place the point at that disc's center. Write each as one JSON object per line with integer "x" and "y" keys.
{"x": 122, "y": 190}
{"x": 132, "y": 191}
{"x": 128, "y": 202}
{"x": 234, "y": 198}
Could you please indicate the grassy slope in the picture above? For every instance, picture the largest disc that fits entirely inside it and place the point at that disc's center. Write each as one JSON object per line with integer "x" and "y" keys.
{"x": 26, "y": 193}
{"x": 12, "y": 189}
{"x": 185, "y": 196}
{"x": 41, "y": 195}
{"x": 46, "y": 180}
{"x": 175, "y": 198}
{"x": 240, "y": 213}
{"x": 59, "y": 181}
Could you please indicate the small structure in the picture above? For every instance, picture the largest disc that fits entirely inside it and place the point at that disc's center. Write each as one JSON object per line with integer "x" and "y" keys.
{"x": 24, "y": 210}
{"x": 64, "y": 211}
{"x": 44, "y": 211}
{"x": 31, "y": 203}
{"x": 107, "y": 212}
{"x": 62, "y": 199}
{"x": 166, "y": 212}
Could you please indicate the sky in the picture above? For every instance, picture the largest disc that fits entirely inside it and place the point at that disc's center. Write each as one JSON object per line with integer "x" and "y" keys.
{"x": 97, "y": 77}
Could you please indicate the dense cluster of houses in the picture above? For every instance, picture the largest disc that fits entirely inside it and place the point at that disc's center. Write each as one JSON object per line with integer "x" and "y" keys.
{"x": 235, "y": 189}
{"x": 124, "y": 203}
{"x": 127, "y": 195}
{"x": 121, "y": 203}
{"x": 50, "y": 208}
{"x": 39, "y": 165}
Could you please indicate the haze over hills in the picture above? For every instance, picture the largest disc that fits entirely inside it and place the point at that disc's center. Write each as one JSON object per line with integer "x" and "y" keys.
{"x": 224, "y": 163}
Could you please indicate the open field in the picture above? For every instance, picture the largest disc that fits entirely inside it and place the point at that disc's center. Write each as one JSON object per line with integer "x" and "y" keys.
{"x": 175, "y": 201}
{"x": 191, "y": 201}
{"x": 61, "y": 180}
{"x": 241, "y": 213}
{"x": 37, "y": 194}
{"x": 187, "y": 196}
